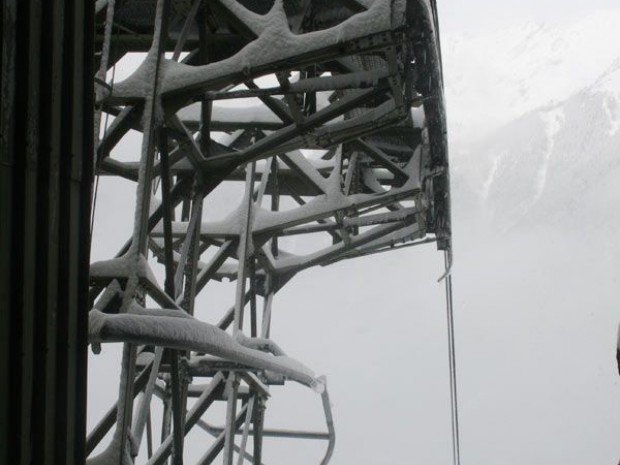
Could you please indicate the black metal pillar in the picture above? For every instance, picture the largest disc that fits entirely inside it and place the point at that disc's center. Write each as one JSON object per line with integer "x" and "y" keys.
{"x": 45, "y": 190}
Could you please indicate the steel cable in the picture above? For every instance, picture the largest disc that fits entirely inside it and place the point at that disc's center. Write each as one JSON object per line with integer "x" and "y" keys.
{"x": 101, "y": 78}
{"x": 456, "y": 452}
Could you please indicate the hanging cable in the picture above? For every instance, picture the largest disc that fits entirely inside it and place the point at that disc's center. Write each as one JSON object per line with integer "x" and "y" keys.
{"x": 100, "y": 79}
{"x": 96, "y": 189}
{"x": 454, "y": 405}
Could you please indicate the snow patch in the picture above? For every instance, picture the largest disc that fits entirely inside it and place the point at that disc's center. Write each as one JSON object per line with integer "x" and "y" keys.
{"x": 553, "y": 120}
{"x": 486, "y": 187}
{"x": 609, "y": 84}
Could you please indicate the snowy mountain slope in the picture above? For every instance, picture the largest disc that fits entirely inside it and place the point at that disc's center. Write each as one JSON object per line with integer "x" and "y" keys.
{"x": 495, "y": 77}
{"x": 556, "y": 165}
{"x": 543, "y": 158}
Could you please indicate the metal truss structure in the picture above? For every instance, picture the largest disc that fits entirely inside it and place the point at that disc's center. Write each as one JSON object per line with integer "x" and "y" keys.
{"x": 327, "y": 118}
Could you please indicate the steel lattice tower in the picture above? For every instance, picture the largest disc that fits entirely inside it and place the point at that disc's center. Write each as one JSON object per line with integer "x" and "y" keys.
{"x": 335, "y": 137}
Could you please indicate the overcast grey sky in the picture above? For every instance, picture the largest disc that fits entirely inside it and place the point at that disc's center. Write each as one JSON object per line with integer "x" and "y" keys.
{"x": 463, "y": 15}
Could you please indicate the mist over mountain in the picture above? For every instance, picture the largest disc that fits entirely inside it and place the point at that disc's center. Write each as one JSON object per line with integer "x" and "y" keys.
{"x": 495, "y": 77}
{"x": 534, "y": 128}
{"x": 548, "y": 100}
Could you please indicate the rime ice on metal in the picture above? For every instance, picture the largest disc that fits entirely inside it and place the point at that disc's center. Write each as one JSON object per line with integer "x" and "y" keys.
{"x": 328, "y": 118}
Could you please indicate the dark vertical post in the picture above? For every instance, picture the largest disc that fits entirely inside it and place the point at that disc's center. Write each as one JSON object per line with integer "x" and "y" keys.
{"x": 46, "y": 151}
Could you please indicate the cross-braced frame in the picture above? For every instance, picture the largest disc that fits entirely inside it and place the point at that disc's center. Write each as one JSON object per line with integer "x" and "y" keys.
{"x": 328, "y": 116}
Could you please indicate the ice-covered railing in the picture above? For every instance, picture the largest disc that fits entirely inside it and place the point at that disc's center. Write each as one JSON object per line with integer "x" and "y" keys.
{"x": 161, "y": 328}
{"x": 325, "y": 120}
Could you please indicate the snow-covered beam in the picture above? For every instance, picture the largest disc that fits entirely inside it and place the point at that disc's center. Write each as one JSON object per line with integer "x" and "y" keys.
{"x": 195, "y": 335}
